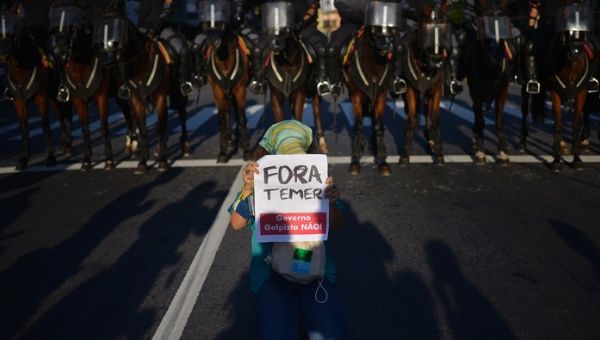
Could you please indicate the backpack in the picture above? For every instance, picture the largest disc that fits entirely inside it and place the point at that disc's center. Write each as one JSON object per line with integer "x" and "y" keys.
{"x": 300, "y": 262}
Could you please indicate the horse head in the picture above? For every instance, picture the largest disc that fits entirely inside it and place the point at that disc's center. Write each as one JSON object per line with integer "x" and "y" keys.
{"x": 115, "y": 38}
{"x": 66, "y": 18}
{"x": 11, "y": 25}
{"x": 382, "y": 22}
{"x": 434, "y": 36}
{"x": 214, "y": 21}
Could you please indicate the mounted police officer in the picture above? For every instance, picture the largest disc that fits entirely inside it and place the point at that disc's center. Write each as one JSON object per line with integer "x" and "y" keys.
{"x": 352, "y": 14}
{"x": 305, "y": 26}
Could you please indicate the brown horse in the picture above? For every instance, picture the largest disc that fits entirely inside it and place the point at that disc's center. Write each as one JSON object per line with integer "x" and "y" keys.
{"x": 426, "y": 56}
{"x": 86, "y": 79}
{"x": 489, "y": 63}
{"x": 368, "y": 69}
{"x": 228, "y": 75}
{"x": 290, "y": 71}
{"x": 31, "y": 76}
{"x": 567, "y": 70}
{"x": 145, "y": 70}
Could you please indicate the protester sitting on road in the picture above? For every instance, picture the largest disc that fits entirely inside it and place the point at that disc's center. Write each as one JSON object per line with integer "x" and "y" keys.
{"x": 282, "y": 303}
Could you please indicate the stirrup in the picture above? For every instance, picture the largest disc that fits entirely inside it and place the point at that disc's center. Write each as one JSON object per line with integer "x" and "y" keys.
{"x": 594, "y": 85}
{"x": 532, "y": 86}
{"x": 5, "y": 95}
{"x": 256, "y": 87}
{"x": 323, "y": 88}
{"x": 63, "y": 94}
{"x": 336, "y": 89}
{"x": 455, "y": 87}
{"x": 186, "y": 88}
{"x": 124, "y": 92}
{"x": 198, "y": 81}
{"x": 399, "y": 86}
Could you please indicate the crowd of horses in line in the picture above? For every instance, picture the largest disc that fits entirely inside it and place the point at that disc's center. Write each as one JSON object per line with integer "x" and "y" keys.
{"x": 92, "y": 77}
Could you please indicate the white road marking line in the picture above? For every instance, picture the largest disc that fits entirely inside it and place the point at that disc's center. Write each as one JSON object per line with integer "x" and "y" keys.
{"x": 200, "y": 163}
{"x": 174, "y": 321}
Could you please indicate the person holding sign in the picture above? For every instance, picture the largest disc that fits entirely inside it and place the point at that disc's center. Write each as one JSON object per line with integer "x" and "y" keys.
{"x": 290, "y": 204}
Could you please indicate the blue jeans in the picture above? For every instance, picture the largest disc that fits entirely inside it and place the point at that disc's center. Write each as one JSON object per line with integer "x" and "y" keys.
{"x": 282, "y": 304}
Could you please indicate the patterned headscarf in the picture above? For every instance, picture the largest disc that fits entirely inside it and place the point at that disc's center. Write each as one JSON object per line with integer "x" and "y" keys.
{"x": 287, "y": 137}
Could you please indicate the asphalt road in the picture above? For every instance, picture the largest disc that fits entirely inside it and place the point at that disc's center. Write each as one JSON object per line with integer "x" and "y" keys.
{"x": 459, "y": 251}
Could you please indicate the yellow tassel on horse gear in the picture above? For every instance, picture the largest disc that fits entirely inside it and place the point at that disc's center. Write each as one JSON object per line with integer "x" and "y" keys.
{"x": 45, "y": 60}
{"x": 164, "y": 52}
{"x": 243, "y": 46}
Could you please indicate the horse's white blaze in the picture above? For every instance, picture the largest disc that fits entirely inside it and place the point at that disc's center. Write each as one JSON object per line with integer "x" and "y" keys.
{"x": 106, "y": 36}
{"x": 276, "y": 21}
{"x": 497, "y": 30}
{"x": 384, "y": 28}
{"x": 436, "y": 32}
{"x": 4, "y": 27}
{"x": 62, "y": 21}
{"x": 212, "y": 15}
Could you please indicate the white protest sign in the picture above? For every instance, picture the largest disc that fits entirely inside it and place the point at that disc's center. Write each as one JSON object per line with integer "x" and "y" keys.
{"x": 289, "y": 198}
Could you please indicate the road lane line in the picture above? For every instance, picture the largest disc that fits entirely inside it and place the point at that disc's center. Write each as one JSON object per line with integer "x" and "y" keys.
{"x": 174, "y": 321}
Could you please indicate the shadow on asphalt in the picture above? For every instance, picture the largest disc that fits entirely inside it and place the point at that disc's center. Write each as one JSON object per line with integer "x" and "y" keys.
{"x": 468, "y": 313}
{"x": 108, "y": 304}
{"x": 579, "y": 243}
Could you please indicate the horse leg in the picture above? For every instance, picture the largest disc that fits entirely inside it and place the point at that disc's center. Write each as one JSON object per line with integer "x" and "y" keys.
{"x": 298, "y": 100}
{"x": 131, "y": 140}
{"x": 41, "y": 101}
{"x": 411, "y": 101}
{"x": 21, "y": 109}
{"x": 84, "y": 119}
{"x": 276, "y": 104}
{"x": 180, "y": 104}
{"x": 161, "y": 129}
{"x": 357, "y": 145}
{"x": 556, "y": 147}
{"x": 502, "y": 144}
{"x": 525, "y": 103}
{"x": 378, "y": 131}
{"x": 478, "y": 128}
{"x": 585, "y": 131}
{"x": 66, "y": 125}
{"x": 223, "y": 109}
{"x": 316, "y": 103}
{"x": 102, "y": 102}
{"x": 434, "y": 109}
{"x": 139, "y": 110}
{"x": 576, "y": 147}
{"x": 239, "y": 93}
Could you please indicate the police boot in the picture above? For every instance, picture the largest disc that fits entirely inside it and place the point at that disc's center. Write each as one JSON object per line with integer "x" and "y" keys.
{"x": 594, "y": 85}
{"x": 199, "y": 64}
{"x": 257, "y": 85}
{"x": 185, "y": 86}
{"x": 532, "y": 86}
{"x": 323, "y": 85}
{"x": 454, "y": 87}
{"x": 63, "y": 94}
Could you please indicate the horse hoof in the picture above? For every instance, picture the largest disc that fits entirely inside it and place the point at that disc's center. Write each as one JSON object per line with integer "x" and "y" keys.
{"x": 186, "y": 150}
{"x": 522, "y": 147}
{"x": 564, "y": 148}
{"x": 479, "y": 158}
{"x": 404, "y": 161}
{"x": 109, "y": 165}
{"x": 66, "y": 151}
{"x": 163, "y": 166}
{"x": 556, "y": 166}
{"x": 222, "y": 158}
{"x": 384, "y": 169}
{"x": 21, "y": 165}
{"x": 51, "y": 160}
{"x": 323, "y": 149}
{"x": 577, "y": 164}
{"x": 86, "y": 165}
{"x": 438, "y": 160}
{"x": 141, "y": 169}
{"x": 503, "y": 162}
{"x": 156, "y": 152}
{"x": 354, "y": 169}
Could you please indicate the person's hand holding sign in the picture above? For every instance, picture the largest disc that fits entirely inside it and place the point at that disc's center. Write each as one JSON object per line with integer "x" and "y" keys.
{"x": 248, "y": 176}
{"x": 333, "y": 194}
